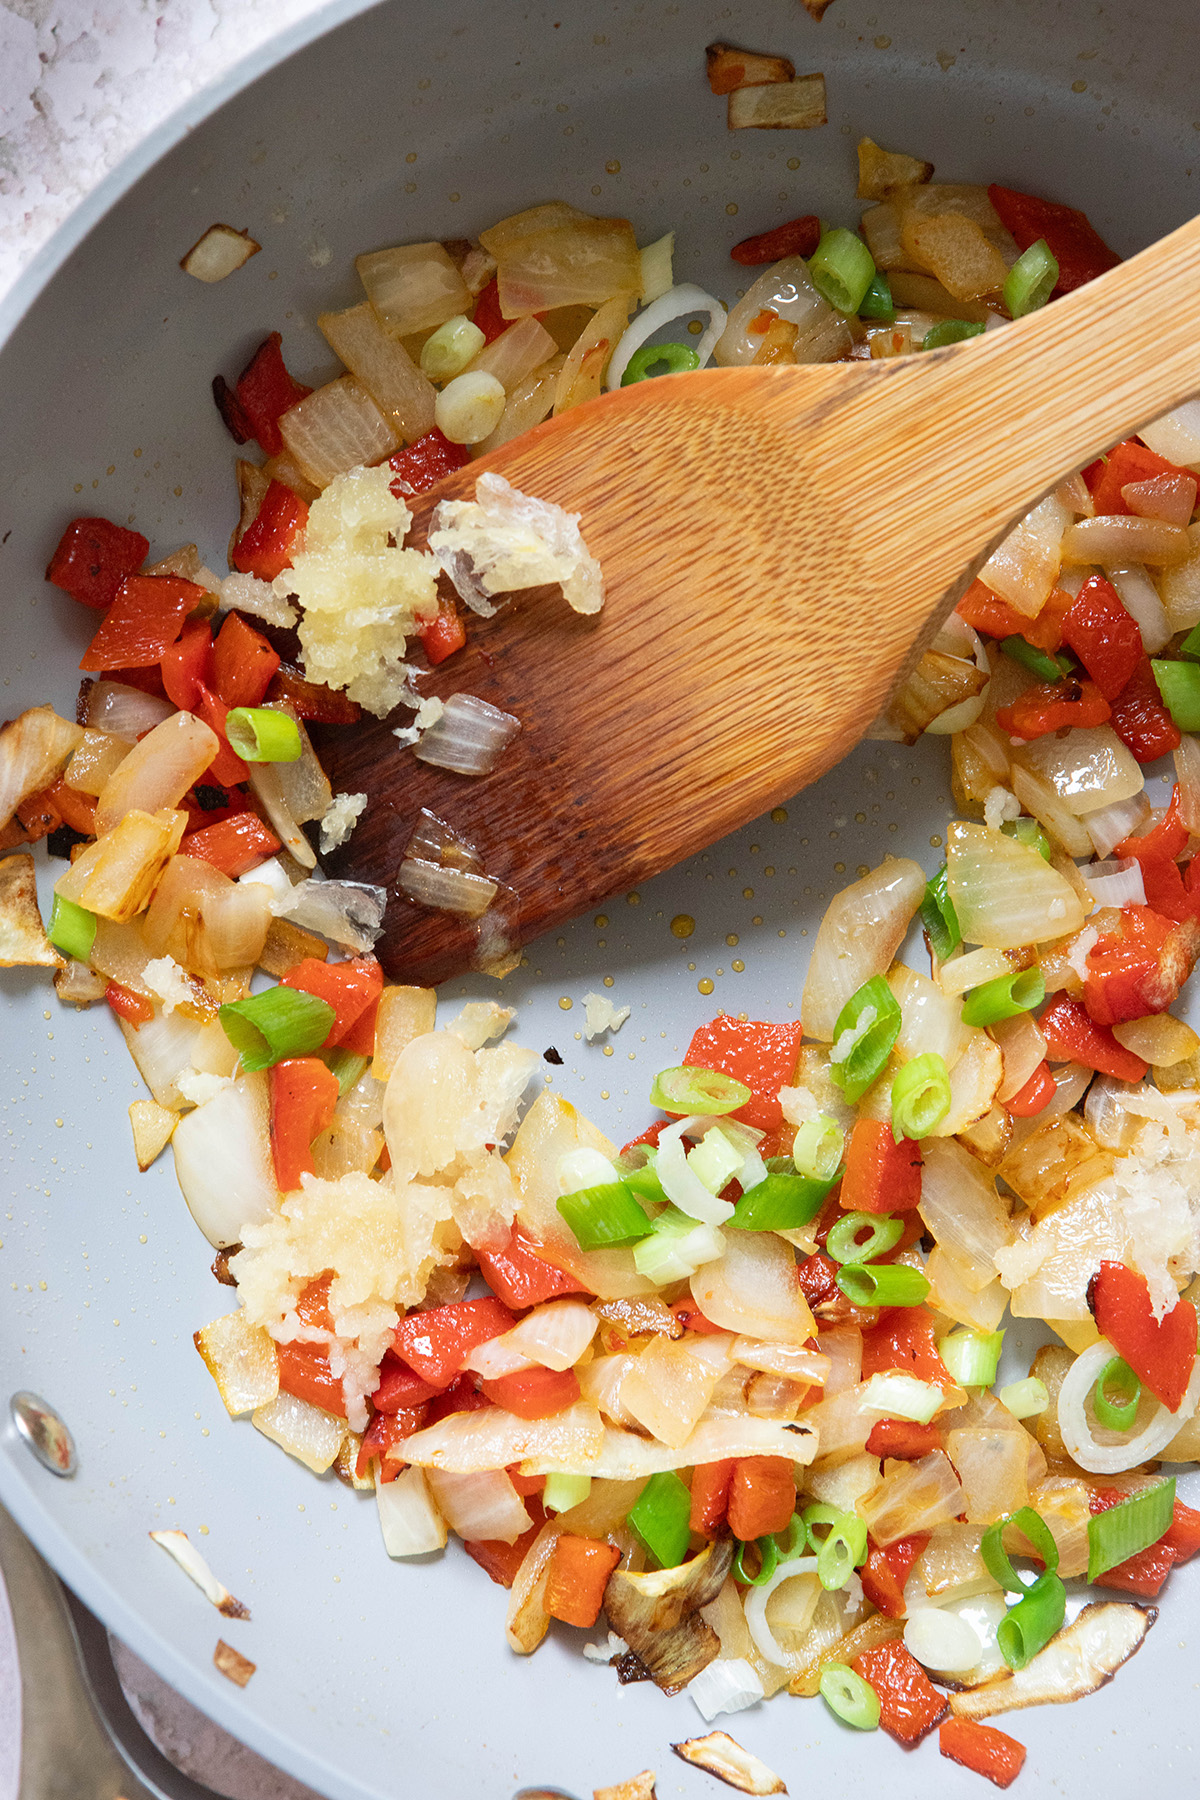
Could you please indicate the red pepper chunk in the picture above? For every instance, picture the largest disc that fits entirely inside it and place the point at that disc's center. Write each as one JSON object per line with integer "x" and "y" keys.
{"x": 521, "y": 1277}
{"x": 487, "y": 315}
{"x": 692, "y": 1319}
{"x": 422, "y": 464}
{"x": 762, "y": 1056}
{"x": 986, "y": 611}
{"x": 1143, "y": 1574}
{"x": 904, "y": 1340}
{"x": 226, "y": 768}
{"x": 1183, "y": 1534}
{"x": 243, "y": 663}
{"x": 816, "y": 1278}
{"x": 1140, "y": 719}
{"x": 1161, "y": 1353}
{"x": 352, "y": 989}
{"x": 305, "y": 1372}
{"x": 983, "y": 1749}
{"x": 710, "y": 1496}
{"x": 903, "y": 1439}
{"x": 500, "y": 1560}
{"x": 304, "y": 1093}
{"x": 887, "y": 1569}
{"x": 235, "y": 845}
{"x": 186, "y": 665}
{"x": 1053, "y": 706}
{"x": 799, "y": 237}
{"x": 399, "y": 1387}
{"x": 437, "y": 1342}
{"x": 384, "y": 1438}
{"x": 270, "y": 541}
{"x": 1125, "y": 464}
{"x": 578, "y": 1575}
{"x": 1035, "y": 1096}
{"x": 1139, "y": 968}
{"x": 762, "y": 1496}
{"x": 445, "y": 634}
{"x": 1168, "y": 838}
{"x": 146, "y": 616}
{"x": 881, "y": 1175}
{"x": 135, "y": 1009}
{"x": 1104, "y": 636}
{"x": 93, "y": 558}
{"x": 909, "y": 1704}
{"x": 1074, "y": 242}
{"x": 1072, "y": 1035}
{"x": 266, "y": 391}
{"x": 533, "y": 1393}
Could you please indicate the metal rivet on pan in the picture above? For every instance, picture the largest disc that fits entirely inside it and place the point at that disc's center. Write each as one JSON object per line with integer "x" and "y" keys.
{"x": 44, "y": 1432}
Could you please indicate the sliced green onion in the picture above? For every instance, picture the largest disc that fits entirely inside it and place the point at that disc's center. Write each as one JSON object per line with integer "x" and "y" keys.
{"x": 643, "y": 1179}
{"x": 877, "y": 302}
{"x": 1118, "y": 1414}
{"x": 562, "y": 1492}
{"x": 950, "y": 331}
{"x": 72, "y": 928}
{"x": 1005, "y": 997}
{"x": 842, "y": 269}
{"x": 871, "y": 1017}
{"x": 1031, "y": 1525}
{"x": 1029, "y": 1625}
{"x": 677, "y": 358}
{"x": 604, "y": 1215}
{"x": 939, "y": 917}
{"x": 677, "y": 1246}
{"x": 1044, "y": 666}
{"x": 795, "y": 1541}
{"x": 260, "y": 734}
{"x": 281, "y": 1021}
{"x": 781, "y": 1203}
{"x": 1190, "y": 646}
{"x": 882, "y": 1284}
{"x": 768, "y": 1561}
{"x": 817, "y": 1151}
{"x": 692, "y": 1089}
{"x": 1029, "y": 833}
{"x": 920, "y": 1096}
{"x": 972, "y": 1356}
{"x": 1025, "y": 1399}
{"x": 816, "y": 1514}
{"x": 348, "y": 1066}
{"x": 1031, "y": 280}
{"x": 1179, "y": 685}
{"x": 842, "y": 1243}
{"x": 843, "y": 1551}
{"x": 1129, "y": 1527}
{"x": 849, "y": 1697}
{"x": 715, "y": 1160}
{"x": 660, "y": 1517}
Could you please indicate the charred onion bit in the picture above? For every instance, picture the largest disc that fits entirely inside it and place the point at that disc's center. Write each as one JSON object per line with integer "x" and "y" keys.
{"x": 658, "y": 1614}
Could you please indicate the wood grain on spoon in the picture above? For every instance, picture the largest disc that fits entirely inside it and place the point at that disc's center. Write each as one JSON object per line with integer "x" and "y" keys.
{"x": 775, "y": 543}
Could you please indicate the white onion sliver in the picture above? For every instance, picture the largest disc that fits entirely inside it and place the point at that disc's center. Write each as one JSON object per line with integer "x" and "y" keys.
{"x": 1115, "y": 883}
{"x": 482, "y": 1505}
{"x": 727, "y": 1685}
{"x": 124, "y": 711}
{"x": 1113, "y": 1459}
{"x": 682, "y": 1188}
{"x": 554, "y": 1335}
{"x": 177, "y": 1546}
{"x": 1140, "y": 597}
{"x": 756, "y": 1606}
{"x": 468, "y": 737}
{"x": 349, "y": 912}
{"x": 1122, "y": 819}
{"x": 677, "y": 303}
{"x": 410, "y": 1522}
{"x": 223, "y": 1161}
{"x": 902, "y": 1397}
{"x": 941, "y": 1640}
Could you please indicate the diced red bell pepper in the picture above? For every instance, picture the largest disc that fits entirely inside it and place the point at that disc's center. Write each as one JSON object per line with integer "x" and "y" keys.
{"x": 762, "y": 1496}
{"x": 1143, "y": 1574}
{"x": 226, "y": 768}
{"x": 305, "y": 1372}
{"x": 1139, "y": 968}
{"x": 500, "y": 1560}
{"x": 93, "y": 558}
{"x": 577, "y": 1577}
{"x": 147, "y": 680}
{"x": 1183, "y": 1534}
{"x": 881, "y": 1175}
{"x": 437, "y": 1342}
{"x": 1053, "y": 706}
{"x": 37, "y": 816}
{"x": 398, "y": 1386}
{"x": 312, "y": 700}
{"x": 816, "y": 1277}
{"x": 304, "y": 1093}
{"x": 442, "y": 636}
{"x": 762, "y": 1056}
{"x": 710, "y": 1496}
{"x": 352, "y": 988}
{"x": 1074, "y": 242}
{"x": 73, "y": 808}
{"x": 487, "y": 315}
{"x": 986, "y": 611}
{"x": 235, "y": 845}
{"x": 243, "y": 663}
{"x": 270, "y": 541}
{"x": 799, "y": 237}
{"x": 1160, "y": 1353}
{"x": 1125, "y": 464}
{"x": 904, "y": 1340}
{"x": 1035, "y": 1096}
{"x": 135, "y": 1009}
{"x": 533, "y": 1393}
{"x": 384, "y": 1438}
{"x": 1167, "y": 839}
{"x": 461, "y": 1396}
{"x": 422, "y": 464}
{"x": 692, "y": 1319}
{"x": 649, "y": 1136}
{"x": 1104, "y": 636}
{"x": 888, "y": 1568}
{"x": 903, "y": 1439}
{"x": 1072, "y": 1035}
{"x": 525, "y": 1484}
{"x": 312, "y": 1308}
{"x": 1165, "y": 892}
{"x": 983, "y": 1749}
{"x": 145, "y": 617}
{"x": 265, "y": 392}
{"x": 1140, "y": 719}
{"x": 909, "y": 1704}
{"x": 186, "y": 665}
{"x": 521, "y": 1277}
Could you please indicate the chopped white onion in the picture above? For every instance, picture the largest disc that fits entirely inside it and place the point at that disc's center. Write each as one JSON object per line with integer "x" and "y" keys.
{"x": 941, "y": 1640}
{"x": 446, "y": 890}
{"x": 223, "y": 1161}
{"x": 484, "y": 1505}
{"x": 1117, "y": 883}
{"x": 755, "y": 1605}
{"x": 124, "y": 711}
{"x": 1140, "y": 597}
{"x": 677, "y": 303}
{"x": 349, "y": 912}
{"x": 1187, "y": 774}
{"x": 1081, "y": 1442}
{"x": 1176, "y": 435}
{"x": 729, "y": 1684}
{"x": 753, "y": 1290}
{"x": 1119, "y": 539}
{"x": 176, "y": 1545}
{"x": 683, "y": 1188}
{"x": 469, "y": 736}
{"x": 409, "y": 1519}
{"x": 902, "y": 1397}
{"x": 220, "y": 252}
{"x": 655, "y": 262}
{"x": 1122, "y": 819}
{"x": 1088, "y": 768}
{"x": 861, "y": 932}
{"x": 554, "y": 1336}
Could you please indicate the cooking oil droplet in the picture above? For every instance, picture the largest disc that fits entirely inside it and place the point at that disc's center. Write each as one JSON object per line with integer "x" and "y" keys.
{"x": 604, "y": 1094}
{"x": 936, "y": 843}
{"x": 613, "y": 167}
{"x": 747, "y": 893}
{"x": 608, "y": 981}
{"x": 692, "y": 967}
{"x": 704, "y": 986}
{"x": 839, "y": 868}
{"x": 779, "y": 815}
{"x": 863, "y": 869}
{"x": 608, "y": 1049}
{"x": 883, "y": 43}
{"x": 634, "y": 899}
{"x": 566, "y": 1003}
{"x": 600, "y": 921}
{"x": 732, "y": 939}
{"x": 757, "y": 919}
{"x": 737, "y": 965}
{"x": 683, "y": 925}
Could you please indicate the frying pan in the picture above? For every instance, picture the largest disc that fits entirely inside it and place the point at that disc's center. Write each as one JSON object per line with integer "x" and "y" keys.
{"x": 432, "y": 118}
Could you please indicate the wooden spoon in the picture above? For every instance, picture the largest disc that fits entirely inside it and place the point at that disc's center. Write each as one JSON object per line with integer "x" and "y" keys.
{"x": 776, "y": 543}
